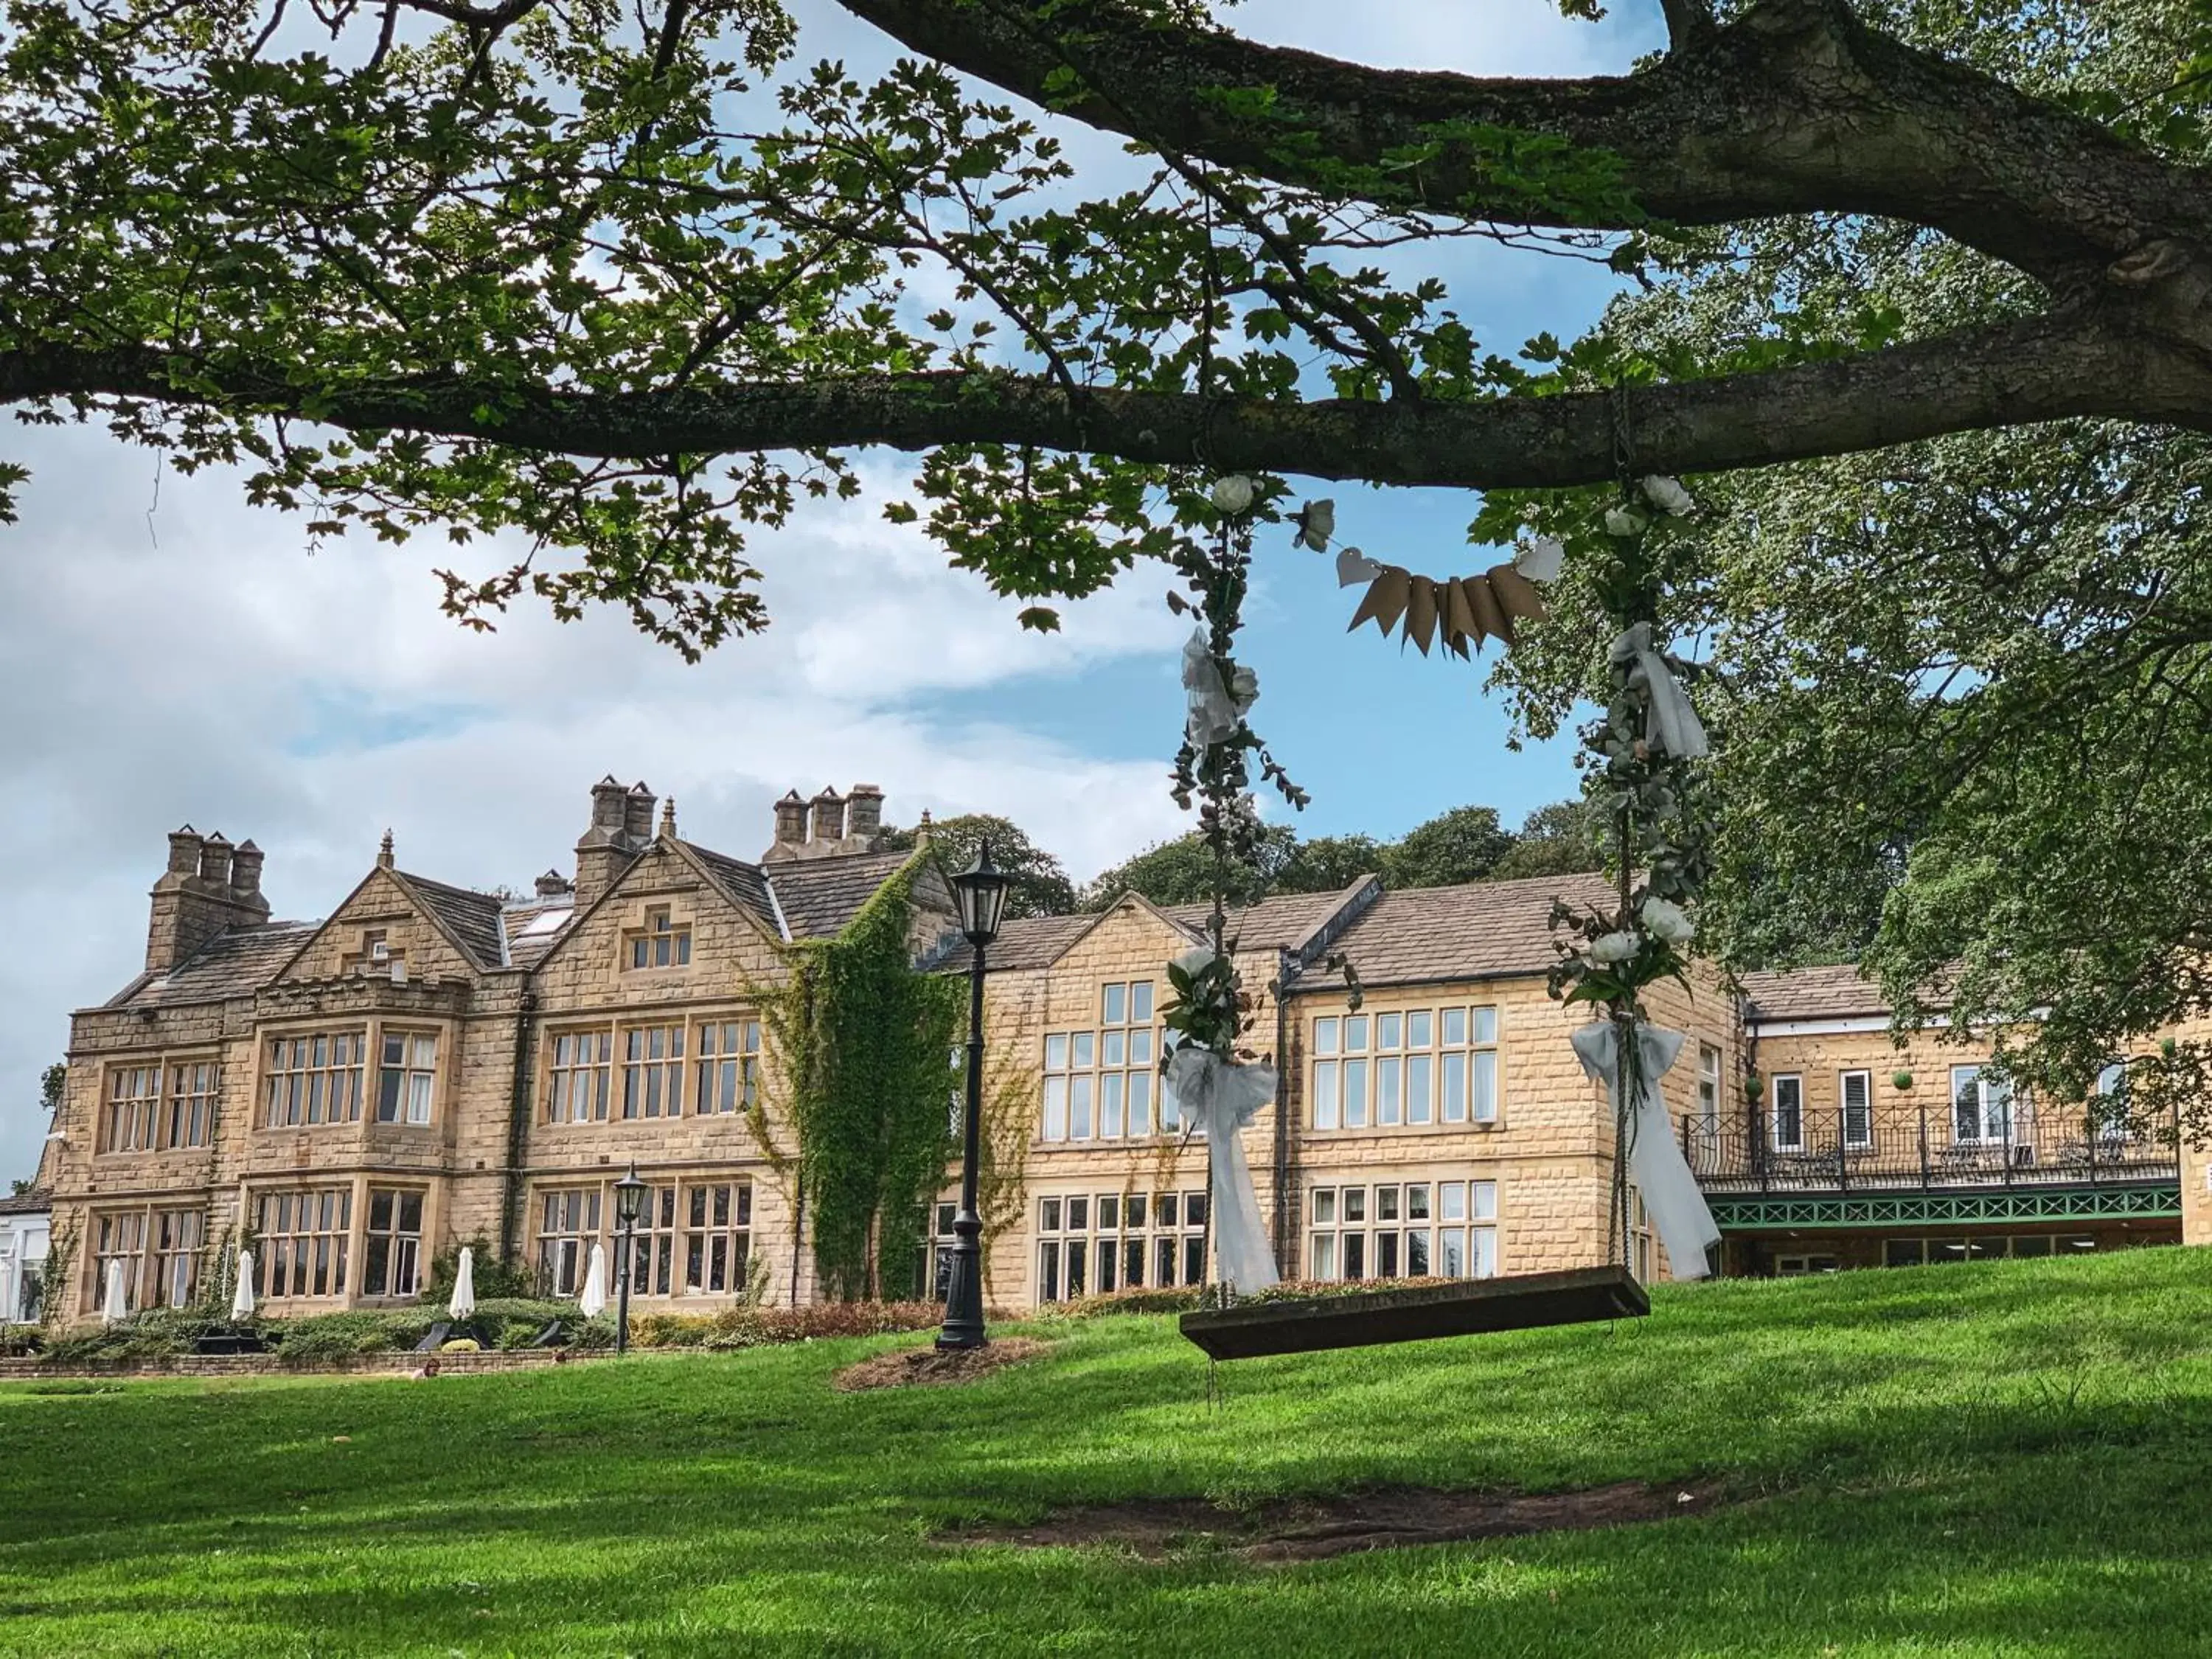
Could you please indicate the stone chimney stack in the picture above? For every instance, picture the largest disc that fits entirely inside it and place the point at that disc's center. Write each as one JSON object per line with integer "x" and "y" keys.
{"x": 826, "y": 827}
{"x": 864, "y": 815}
{"x": 208, "y": 888}
{"x": 790, "y": 828}
{"x": 246, "y": 875}
{"x": 637, "y": 817}
{"x": 603, "y": 851}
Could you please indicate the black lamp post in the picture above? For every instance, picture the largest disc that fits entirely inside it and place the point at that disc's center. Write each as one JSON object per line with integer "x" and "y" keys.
{"x": 630, "y": 1201}
{"x": 980, "y": 889}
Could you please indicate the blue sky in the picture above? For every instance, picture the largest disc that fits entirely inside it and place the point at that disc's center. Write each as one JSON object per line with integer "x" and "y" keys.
{"x": 183, "y": 658}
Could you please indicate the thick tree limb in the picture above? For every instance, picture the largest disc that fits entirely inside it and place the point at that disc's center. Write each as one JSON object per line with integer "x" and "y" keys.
{"x": 2035, "y": 370}
{"x": 1794, "y": 107}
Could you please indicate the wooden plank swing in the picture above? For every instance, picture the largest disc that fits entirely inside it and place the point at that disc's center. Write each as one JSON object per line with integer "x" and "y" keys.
{"x": 1417, "y": 1313}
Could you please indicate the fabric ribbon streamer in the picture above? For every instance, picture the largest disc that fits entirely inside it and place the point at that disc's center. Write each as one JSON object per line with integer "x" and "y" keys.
{"x": 1662, "y": 1175}
{"x": 1213, "y": 713}
{"x": 1220, "y": 1097}
{"x": 1673, "y": 726}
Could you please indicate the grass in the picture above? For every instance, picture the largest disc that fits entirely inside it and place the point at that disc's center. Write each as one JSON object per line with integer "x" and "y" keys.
{"x": 2010, "y": 1458}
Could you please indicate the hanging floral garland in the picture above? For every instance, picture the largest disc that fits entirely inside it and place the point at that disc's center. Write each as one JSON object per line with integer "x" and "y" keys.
{"x": 1645, "y": 751}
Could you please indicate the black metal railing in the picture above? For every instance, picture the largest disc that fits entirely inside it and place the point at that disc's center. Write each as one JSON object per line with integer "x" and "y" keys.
{"x": 1911, "y": 1147}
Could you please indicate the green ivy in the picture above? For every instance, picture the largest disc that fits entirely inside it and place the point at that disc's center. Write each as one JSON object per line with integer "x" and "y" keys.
{"x": 867, "y": 1040}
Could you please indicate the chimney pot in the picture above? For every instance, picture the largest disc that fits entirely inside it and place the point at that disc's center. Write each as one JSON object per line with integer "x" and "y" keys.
{"x": 553, "y": 885}
{"x": 864, "y": 811}
{"x": 827, "y": 818}
{"x": 215, "y": 861}
{"x": 637, "y": 817}
{"x": 245, "y": 873}
{"x": 185, "y": 851}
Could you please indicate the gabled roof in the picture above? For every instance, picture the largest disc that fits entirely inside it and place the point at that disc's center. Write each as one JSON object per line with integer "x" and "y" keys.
{"x": 744, "y": 884}
{"x": 470, "y": 919}
{"x": 528, "y": 930}
{"x": 1841, "y": 992}
{"x": 229, "y": 965}
{"x": 1281, "y": 923}
{"x": 818, "y": 897}
{"x": 1040, "y": 941}
{"x": 30, "y": 1203}
{"x": 1482, "y": 930}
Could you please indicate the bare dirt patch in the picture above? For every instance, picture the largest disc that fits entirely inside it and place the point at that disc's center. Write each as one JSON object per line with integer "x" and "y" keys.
{"x": 913, "y": 1367}
{"x": 1315, "y": 1528}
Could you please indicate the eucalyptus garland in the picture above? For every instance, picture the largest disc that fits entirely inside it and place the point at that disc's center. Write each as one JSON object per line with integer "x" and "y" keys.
{"x": 1644, "y": 758}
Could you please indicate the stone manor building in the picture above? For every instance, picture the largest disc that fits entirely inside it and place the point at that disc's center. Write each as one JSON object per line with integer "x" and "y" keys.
{"x": 430, "y": 1066}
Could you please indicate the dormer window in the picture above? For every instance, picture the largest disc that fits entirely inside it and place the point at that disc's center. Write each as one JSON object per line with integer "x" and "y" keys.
{"x": 664, "y": 943}
{"x": 376, "y": 954}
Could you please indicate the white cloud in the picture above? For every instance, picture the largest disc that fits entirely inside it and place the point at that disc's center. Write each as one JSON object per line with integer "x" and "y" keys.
{"x": 227, "y": 678}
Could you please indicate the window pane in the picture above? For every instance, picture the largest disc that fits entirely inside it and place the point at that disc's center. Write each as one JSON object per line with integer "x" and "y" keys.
{"x": 1325, "y": 1094}
{"x": 1485, "y": 1024}
{"x": 1451, "y": 1200}
{"x": 1116, "y": 1045}
{"x": 1110, "y": 1098}
{"x": 1114, "y": 1005}
{"x": 1355, "y": 1034}
{"x": 1455, "y": 1025}
{"x": 1055, "y": 1054}
{"x": 1482, "y": 1084}
{"x": 1418, "y": 1031}
{"x": 1055, "y": 1108}
{"x": 1485, "y": 1199}
{"x": 1451, "y": 1252}
{"x": 1078, "y": 1106}
{"x": 1325, "y": 1036}
{"x": 1324, "y": 1256}
{"x": 1141, "y": 1002}
{"x": 1355, "y": 1204}
{"x": 1324, "y": 1207}
{"x": 1355, "y": 1094}
{"x": 1390, "y": 1090}
{"x": 1420, "y": 1103}
{"x": 1140, "y": 1102}
{"x": 1085, "y": 1049}
{"x": 1141, "y": 1046}
{"x": 1417, "y": 1203}
{"x": 1455, "y": 1088}
{"x": 1417, "y": 1252}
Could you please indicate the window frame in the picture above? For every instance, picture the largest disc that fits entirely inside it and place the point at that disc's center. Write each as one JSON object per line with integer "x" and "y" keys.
{"x": 1402, "y": 1226}
{"x": 1082, "y": 1087}
{"x": 399, "y": 1243}
{"x": 662, "y": 943}
{"x": 1797, "y": 1082}
{"x": 1109, "y": 1231}
{"x": 1863, "y": 1140}
{"x": 1402, "y": 1069}
{"x": 318, "y": 1082}
{"x": 132, "y": 1119}
{"x": 409, "y": 1079}
{"x": 282, "y": 1245}
{"x": 2009, "y": 1104}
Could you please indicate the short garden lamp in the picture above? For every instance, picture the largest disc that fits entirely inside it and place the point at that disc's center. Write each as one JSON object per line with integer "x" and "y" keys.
{"x": 629, "y": 1204}
{"x": 980, "y": 889}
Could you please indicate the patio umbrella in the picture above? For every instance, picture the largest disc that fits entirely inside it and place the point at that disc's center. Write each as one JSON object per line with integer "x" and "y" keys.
{"x": 241, "y": 1299}
{"x": 594, "y": 1301}
{"x": 464, "y": 1301}
{"x": 110, "y": 1307}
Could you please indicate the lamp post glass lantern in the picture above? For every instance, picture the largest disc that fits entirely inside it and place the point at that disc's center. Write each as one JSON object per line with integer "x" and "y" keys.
{"x": 981, "y": 892}
{"x": 630, "y": 1203}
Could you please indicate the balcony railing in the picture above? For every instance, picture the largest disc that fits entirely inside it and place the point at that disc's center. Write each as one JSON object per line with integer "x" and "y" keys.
{"x": 1895, "y": 1152}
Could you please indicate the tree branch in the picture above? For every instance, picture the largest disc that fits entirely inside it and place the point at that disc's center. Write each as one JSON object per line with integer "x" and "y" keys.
{"x": 2010, "y": 375}
{"x": 1793, "y": 107}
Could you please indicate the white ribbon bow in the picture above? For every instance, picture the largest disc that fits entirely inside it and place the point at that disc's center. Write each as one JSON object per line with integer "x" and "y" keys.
{"x": 1213, "y": 713}
{"x": 1670, "y": 1192}
{"x": 1675, "y": 726}
{"x": 1220, "y": 1097}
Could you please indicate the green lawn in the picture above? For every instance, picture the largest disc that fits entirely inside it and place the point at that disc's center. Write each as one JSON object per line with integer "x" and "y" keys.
{"x": 2010, "y": 1458}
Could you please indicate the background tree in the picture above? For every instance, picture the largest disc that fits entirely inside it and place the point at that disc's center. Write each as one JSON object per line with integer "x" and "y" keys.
{"x": 1464, "y": 844}
{"x": 1182, "y": 871}
{"x": 1964, "y": 684}
{"x": 1562, "y": 839}
{"x": 1041, "y": 886}
{"x": 1328, "y": 864}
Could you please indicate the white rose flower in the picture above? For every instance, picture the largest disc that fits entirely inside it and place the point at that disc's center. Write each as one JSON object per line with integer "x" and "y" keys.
{"x": 1667, "y": 920}
{"x": 1620, "y": 521}
{"x": 1614, "y": 948}
{"x": 1244, "y": 687}
{"x": 1195, "y": 960}
{"x": 1317, "y": 522}
{"x": 1233, "y": 495}
{"x": 1541, "y": 560}
{"x": 1668, "y": 496}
